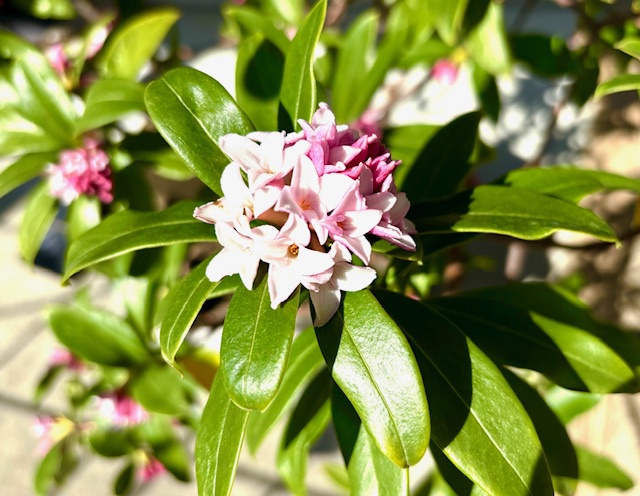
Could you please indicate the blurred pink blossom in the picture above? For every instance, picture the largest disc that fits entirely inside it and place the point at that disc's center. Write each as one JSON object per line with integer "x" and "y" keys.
{"x": 151, "y": 469}
{"x": 121, "y": 410}
{"x": 83, "y": 171}
{"x": 50, "y": 430}
{"x": 445, "y": 72}
{"x": 57, "y": 58}
{"x": 61, "y": 357}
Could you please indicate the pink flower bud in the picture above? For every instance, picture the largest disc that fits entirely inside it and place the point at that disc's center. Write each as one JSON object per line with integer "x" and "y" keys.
{"x": 57, "y": 57}
{"x": 445, "y": 72}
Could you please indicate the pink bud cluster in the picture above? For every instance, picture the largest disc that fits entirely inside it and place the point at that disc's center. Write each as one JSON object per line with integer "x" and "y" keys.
{"x": 121, "y": 410}
{"x": 83, "y": 171}
{"x": 318, "y": 193}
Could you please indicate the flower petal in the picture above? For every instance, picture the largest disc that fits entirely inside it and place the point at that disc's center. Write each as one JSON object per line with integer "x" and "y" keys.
{"x": 325, "y": 303}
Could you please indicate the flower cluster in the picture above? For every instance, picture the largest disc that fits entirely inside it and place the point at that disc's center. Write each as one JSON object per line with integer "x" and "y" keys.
{"x": 318, "y": 193}
{"x": 83, "y": 171}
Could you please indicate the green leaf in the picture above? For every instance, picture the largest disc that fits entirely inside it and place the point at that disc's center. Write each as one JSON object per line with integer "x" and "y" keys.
{"x": 545, "y": 56}
{"x": 298, "y": 92}
{"x": 124, "y": 481}
{"x": 629, "y": 45}
{"x": 129, "y": 231}
{"x": 564, "y": 318}
{"x": 515, "y": 335}
{"x": 259, "y": 70}
{"x": 622, "y": 82}
{"x": 567, "y": 183}
{"x": 48, "y": 9}
{"x": 97, "y": 336}
{"x": 352, "y": 66}
{"x": 447, "y": 16}
{"x": 256, "y": 342}
{"x": 111, "y": 442}
{"x": 23, "y": 170}
{"x": 600, "y": 471}
{"x": 503, "y": 210}
{"x": 406, "y": 143}
{"x": 48, "y": 468}
{"x": 192, "y": 111}
{"x": 306, "y": 424}
{"x": 555, "y": 441}
{"x": 160, "y": 389}
{"x": 173, "y": 455}
{"x": 83, "y": 214}
{"x": 444, "y": 162}
{"x": 568, "y": 405}
{"x": 108, "y": 100}
{"x": 365, "y": 351}
{"x": 476, "y": 419}
{"x": 180, "y": 308}
{"x": 305, "y": 360}
{"x": 219, "y": 441}
{"x": 487, "y": 43}
{"x": 254, "y": 21}
{"x": 134, "y": 43}
{"x": 388, "y": 248}
{"x": 38, "y": 216}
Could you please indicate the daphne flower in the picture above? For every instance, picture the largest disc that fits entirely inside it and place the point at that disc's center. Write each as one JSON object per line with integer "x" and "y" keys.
{"x": 50, "y": 430}
{"x": 445, "y": 72}
{"x": 58, "y": 58}
{"x": 150, "y": 469}
{"x": 121, "y": 410}
{"x": 61, "y": 357}
{"x": 83, "y": 171}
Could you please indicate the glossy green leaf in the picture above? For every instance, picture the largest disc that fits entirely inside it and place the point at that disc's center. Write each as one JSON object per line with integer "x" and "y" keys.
{"x": 48, "y": 9}
{"x": 352, "y": 66}
{"x": 568, "y": 183}
{"x": 129, "y": 231}
{"x": 623, "y": 82}
{"x": 563, "y": 317}
{"x": 601, "y": 471}
{"x": 305, "y": 360}
{"x": 192, "y": 111}
{"x": 38, "y": 216}
{"x": 135, "y": 41}
{"x": 23, "y": 170}
{"x": 308, "y": 421}
{"x": 545, "y": 56}
{"x": 567, "y": 404}
{"x": 108, "y": 100}
{"x": 298, "y": 92}
{"x": 447, "y": 16}
{"x": 256, "y": 342}
{"x": 83, "y": 214}
{"x": 97, "y": 336}
{"x": 111, "y": 442}
{"x": 444, "y": 162}
{"x": 259, "y": 70}
{"x": 160, "y": 389}
{"x": 503, "y": 210}
{"x": 476, "y": 419}
{"x": 174, "y": 457}
{"x": 290, "y": 11}
{"x": 629, "y": 45}
{"x": 219, "y": 441}
{"x": 556, "y": 444}
{"x": 514, "y": 335}
{"x": 487, "y": 43}
{"x": 457, "y": 483}
{"x": 388, "y": 248}
{"x": 365, "y": 351}
{"x": 180, "y": 308}
{"x": 406, "y": 143}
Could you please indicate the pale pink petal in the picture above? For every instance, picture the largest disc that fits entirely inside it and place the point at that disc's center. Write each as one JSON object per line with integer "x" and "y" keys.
{"x": 333, "y": 187}
{"x": 241, "y": 150}
{"x": 326, "y": 302}
{"x": 283, "y": 280}
{"x": 360, "y": 222}
{"x": 349, "y": 277}
{"x": 230, "y": 261}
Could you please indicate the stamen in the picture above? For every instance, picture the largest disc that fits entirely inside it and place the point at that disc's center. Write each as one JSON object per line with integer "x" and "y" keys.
{"x": 294, "y": 250}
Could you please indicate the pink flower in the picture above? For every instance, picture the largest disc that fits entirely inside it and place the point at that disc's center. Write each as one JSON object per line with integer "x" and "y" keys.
{"x": 50, "y": 430}
{"x": 57, "y": 58}
{"x": 445, "y": 72}
{"x": 121, "y": 410}
{"x": 150, "y": 469}
{"x": 61, "y": 357}
{"x": 83, "y": 171}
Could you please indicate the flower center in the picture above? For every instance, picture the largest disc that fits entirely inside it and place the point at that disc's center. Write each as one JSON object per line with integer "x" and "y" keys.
{"x": 294, "y": 250}
{"x": 304, "y": 205}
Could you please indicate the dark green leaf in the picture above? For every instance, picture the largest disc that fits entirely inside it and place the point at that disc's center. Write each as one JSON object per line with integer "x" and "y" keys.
{"x": 180, "y": 307}
{"x": 447, "y": 16}
{"x": 514, "y": 335}
{"x": 502, "y": 210}
{"x": 405, "y": 143}
{"x": 192, "y": 111}
{"x": 129, "y": 231}
{"x": 388, "y": 248}
{"x": 38, "y": 216}
{"x": 444, "y": 162}
{"x": 259, "y": 71}
{"x": 134, "y": 43}
{"x": 543, "y": 55}
{"x": 218, "y": 441}
{"x": 254, "y": 21}
{"x": 111, "y": 442}
{"x": 305, "y": 360}
{"x": 108, "y": 100}
{"x": 124, "y": 482}
{"x": 97, "y": 336}
{"x": 365, "y": 351}
{"x": 48, "y": 9}
{"x": 629, "y": 45}
{"x": 174, "y": 458}
{"x": 160, "y": 389}
{"x": 47, "y": 469}
{"x": 351, "y": 66}
{"x": 477, "y": 421}
{"x": 307, "y": 423}
{"x": 600, "y": 471}
{"x": 24, "y": 169}
{"x": 298, "y": 92}
{"x": 256, "y": 342}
